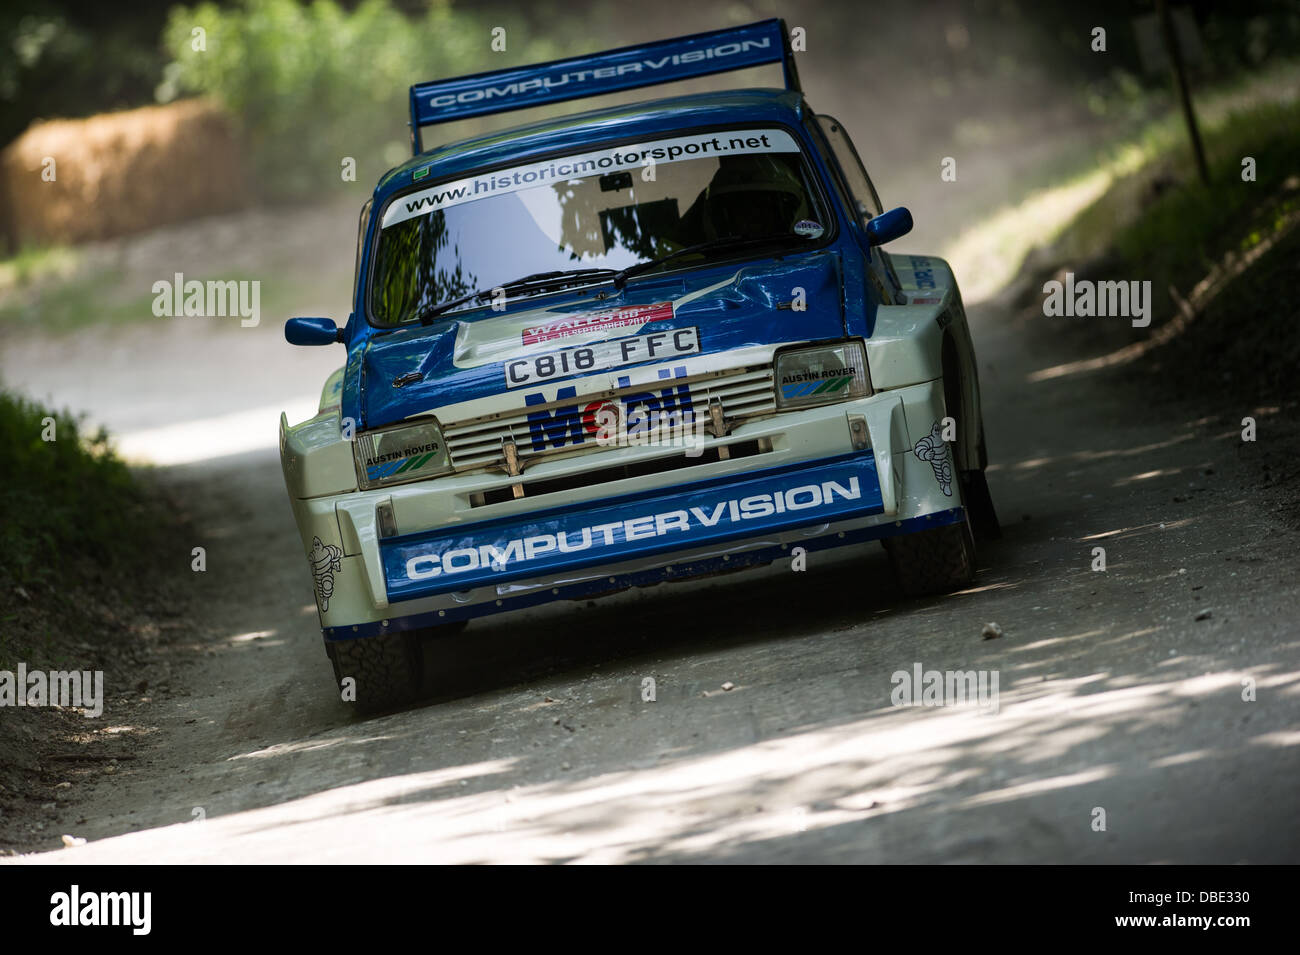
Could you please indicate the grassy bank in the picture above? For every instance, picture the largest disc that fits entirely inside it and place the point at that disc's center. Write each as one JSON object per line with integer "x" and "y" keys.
{"x": 1223, "y": 263}
{"x": 62, "y": 491}
{"x": 84, "y": 541}
{"x": 93, "y": 567}
{"x": 1099, "y": 197}
{"x": 302, "y": 258}
{"x": 1221, "y": 260}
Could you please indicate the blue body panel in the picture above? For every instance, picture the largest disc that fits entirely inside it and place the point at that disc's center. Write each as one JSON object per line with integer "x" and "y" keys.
{"x": 630, "y": 527}
{"x": 742, "y": 314}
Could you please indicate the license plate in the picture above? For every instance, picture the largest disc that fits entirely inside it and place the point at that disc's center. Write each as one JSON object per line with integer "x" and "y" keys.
{"x": 602, "y": 355}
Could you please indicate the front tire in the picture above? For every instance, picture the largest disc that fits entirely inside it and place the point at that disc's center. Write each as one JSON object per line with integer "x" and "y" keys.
{"x": 387, "y": 670}
{"x": 935, "y": 561}
{"x": 983, "y": 516}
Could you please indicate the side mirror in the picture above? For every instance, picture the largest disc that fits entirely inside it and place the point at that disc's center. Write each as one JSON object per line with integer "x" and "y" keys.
{"x": 889, "y": 226}
{"x": 312, "y": 331}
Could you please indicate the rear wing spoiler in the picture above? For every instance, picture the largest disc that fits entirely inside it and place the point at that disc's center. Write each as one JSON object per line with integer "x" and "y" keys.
{"x": 629, "y": 67}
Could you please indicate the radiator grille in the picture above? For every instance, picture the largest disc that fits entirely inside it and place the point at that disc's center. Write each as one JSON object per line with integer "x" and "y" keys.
{"x": 476, "y": 443}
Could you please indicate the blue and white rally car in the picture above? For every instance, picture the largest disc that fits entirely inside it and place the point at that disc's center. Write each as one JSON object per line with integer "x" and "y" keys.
{"x": 626, "y": 346}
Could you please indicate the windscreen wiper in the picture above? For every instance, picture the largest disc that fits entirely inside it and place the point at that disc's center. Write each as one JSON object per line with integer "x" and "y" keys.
{"x": 533, "y": 282}
{"x": 726, "y": 241}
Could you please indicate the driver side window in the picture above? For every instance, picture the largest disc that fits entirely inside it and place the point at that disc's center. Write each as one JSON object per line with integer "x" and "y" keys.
{"x": 851, "y": 177}
{"x": 865, "y": 197}
{"x": 361, "y": 244}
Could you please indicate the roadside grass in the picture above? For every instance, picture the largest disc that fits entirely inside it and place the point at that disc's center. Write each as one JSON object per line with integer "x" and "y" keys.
{"x": 67, "y": 493}
{"x": 75, "y": 515}
{"x": 303, "y": 259}
{"x": 1223, "y": 261}
{"x": 1083, "y": 214}
{"x": 36, "y": 263}
{"x": 99, "y": 300}
{"x": 73, "y": 304}
{"x": 1220, "y": 260}
{"x": 94, "y": 570}
{"x": 1172, "y": 227}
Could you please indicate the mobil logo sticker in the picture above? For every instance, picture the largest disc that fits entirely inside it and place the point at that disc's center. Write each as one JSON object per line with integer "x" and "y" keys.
{"x": 579, "y": 422}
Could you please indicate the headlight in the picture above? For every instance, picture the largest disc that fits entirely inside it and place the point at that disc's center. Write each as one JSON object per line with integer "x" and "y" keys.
{"x": 819, "y": 375}
{"x": 405, "y": 453}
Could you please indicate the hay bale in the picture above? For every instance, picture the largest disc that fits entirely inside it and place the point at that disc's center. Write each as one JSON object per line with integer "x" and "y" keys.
{"x": 119, "y": 173}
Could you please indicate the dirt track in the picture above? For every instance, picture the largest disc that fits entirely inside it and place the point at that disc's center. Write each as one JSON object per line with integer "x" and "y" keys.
{"x": 540, "y": 747}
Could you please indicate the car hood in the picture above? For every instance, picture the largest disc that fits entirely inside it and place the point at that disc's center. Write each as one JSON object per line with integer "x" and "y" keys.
{"x": 418, "y": 370}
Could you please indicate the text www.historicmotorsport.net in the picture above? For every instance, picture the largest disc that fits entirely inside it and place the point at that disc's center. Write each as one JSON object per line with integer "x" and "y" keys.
{"x": 565, "y": 168}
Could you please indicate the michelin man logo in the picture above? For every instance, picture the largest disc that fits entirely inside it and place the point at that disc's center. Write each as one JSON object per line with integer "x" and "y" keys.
{"x": 324, "y": 560}
{"x": 934, "y": 449}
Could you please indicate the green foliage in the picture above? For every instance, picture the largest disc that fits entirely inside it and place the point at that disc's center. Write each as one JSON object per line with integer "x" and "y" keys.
{"x": 33, "y": 263}
{"x": 73, "y": 303}
{"x": 1161, "y": 224}
{"x": 70, "y": 498}
{"x": 1180, "y": 235}
{"x": 314, "y": 84}
{"x": 71, "y": 58}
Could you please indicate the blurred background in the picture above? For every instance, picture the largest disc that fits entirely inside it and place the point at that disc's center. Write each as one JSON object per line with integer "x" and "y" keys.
{"x": 161, "y": 112}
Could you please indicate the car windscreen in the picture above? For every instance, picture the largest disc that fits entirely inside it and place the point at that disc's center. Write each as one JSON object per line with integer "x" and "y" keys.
{"x": 607, "y": 208}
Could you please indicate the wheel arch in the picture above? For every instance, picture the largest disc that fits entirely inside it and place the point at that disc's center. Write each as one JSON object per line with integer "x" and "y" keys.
{"x": 961, "y": 401}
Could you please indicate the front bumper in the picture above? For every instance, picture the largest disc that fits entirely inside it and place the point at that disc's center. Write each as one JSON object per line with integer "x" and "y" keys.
{"x": 831, "y": 476}
{"x": 572, "y": 539}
